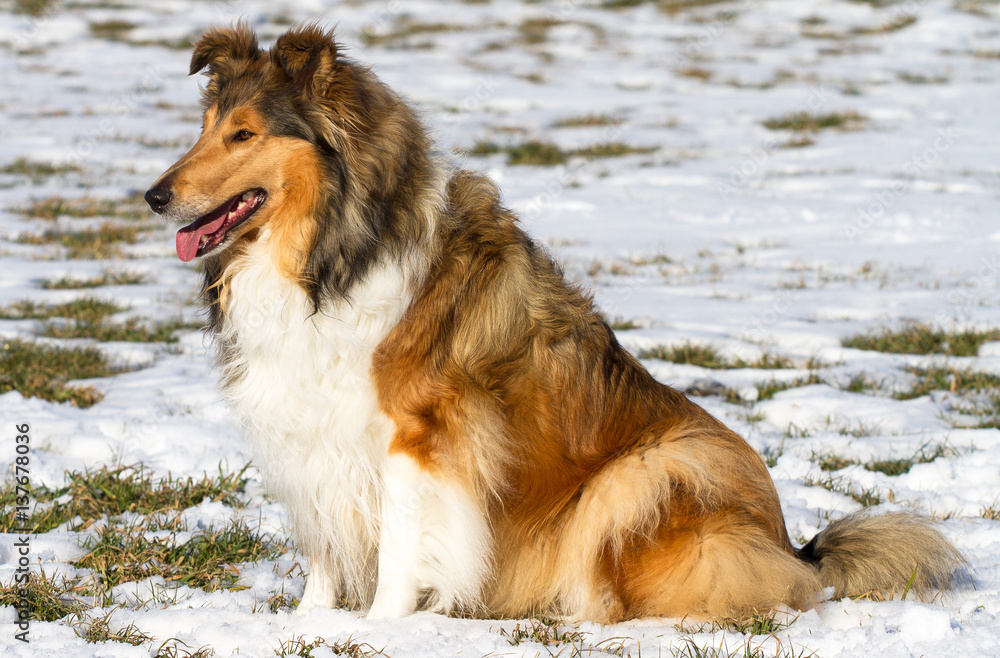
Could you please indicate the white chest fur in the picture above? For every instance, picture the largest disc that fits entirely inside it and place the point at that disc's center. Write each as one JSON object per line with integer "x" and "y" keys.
{"x": 302, "y": 385}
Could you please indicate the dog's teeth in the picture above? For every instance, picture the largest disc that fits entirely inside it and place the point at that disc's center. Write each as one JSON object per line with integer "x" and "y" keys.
{"x": 231, "y": 215}
{"x": 247, "y": 196}
{"x": 203, "y": 240}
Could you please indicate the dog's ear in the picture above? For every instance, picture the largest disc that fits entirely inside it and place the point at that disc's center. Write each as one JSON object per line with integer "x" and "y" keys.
{"x": 230, "y": 43}
{"x": 308, "y": 56}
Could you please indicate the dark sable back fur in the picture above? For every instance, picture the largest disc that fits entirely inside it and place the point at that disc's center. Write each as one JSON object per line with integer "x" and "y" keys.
{"x": 377, "y": 177}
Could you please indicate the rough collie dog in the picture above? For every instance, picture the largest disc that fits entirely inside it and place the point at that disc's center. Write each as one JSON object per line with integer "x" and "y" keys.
{"x": 451, "y": 425}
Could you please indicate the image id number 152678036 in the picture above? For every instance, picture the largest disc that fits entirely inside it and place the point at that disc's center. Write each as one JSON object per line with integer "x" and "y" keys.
{"x": 22, "y": 543}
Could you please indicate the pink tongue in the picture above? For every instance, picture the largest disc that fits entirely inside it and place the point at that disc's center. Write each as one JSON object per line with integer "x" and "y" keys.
{"x": 189, "y": 237}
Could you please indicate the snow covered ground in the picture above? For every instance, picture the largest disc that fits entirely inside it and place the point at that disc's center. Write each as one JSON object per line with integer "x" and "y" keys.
{"x": 731, "y": 234}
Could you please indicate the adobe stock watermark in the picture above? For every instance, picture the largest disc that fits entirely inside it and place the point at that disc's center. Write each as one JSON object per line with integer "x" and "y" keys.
{"x": 32, "y": 26}
{"x": 381, "y": 18}
{"x": 877, "y": 210}
{"x": 556, "y": 186}
{"x": 755, "y": 330}
{"x": 22, "y": 544}
{"x": 151, "y": 81}
{"x": 709, "y": 32}
{"x": 741, "y": 174}
{"x": 984, "y": 280}
{"x": 473, "y": 103}
{"x": 900, "y": 15}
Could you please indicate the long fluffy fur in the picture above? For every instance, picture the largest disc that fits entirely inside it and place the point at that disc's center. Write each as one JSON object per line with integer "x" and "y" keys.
{"x": 450, "y": 424}
{"x": 887, "y": 554}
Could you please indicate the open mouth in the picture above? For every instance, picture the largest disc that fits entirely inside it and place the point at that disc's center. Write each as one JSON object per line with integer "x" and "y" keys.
{"x": 208, "y": 231}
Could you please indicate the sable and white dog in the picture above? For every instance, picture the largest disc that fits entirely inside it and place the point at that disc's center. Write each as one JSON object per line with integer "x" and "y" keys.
{"x": 449, "y": 423}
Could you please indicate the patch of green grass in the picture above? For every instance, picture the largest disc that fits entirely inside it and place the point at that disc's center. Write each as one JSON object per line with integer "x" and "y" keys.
{"x": 299, "y": 647}
{"x": 405, "y": 28}
{"x": 832, "y": 462}
{"x": 811, "y": 123}
{"x": 666, "y": 6}
{"x": 859, "y": 384}
{"x": 587, "y": 121}
{"x": 793, "y": 431}
{"x": 762, "y": 623}
{"x": 107, "y": 278}
{"x": 49, "y": 598}
{"x": 483, "y": 148}
{"x": 535, "y": 152}
{"x": 772, "y": 455}
{"x": 535, "y": 30}
{"x": 54, "y": 207}
{"x": 96, "y": 630}
{"x": 33, "y": 7}
{"x": 126, "y": 553}
{"x": 172, "y": 649}
{"x": 87, "y": 318}
{"x": 89, "y": 244}
{"x": 115, "y": 30}
{"x": 688, "y": 648}
{"x": 865, "y": 497}
{"x": 877, "y": 4}
{"x": 653, "y": 259}
{"x": 921, "y": 79}
{"x": 857, "y": 429}
{"x": 898, "y": 23}
{"x": 114, "y": 491}
{"x": 704, "y": 356}
{"x": 36, "y": 171}
{"x": 611, "y": 150}
{"x": 798, "y": 142}
{"x": 85, "y": 310}
{"x": 133, "y": 330}
{"x": 937, "y": 378}
{"x": 545, "y": 632}
{"x": 42, "y": 371}
{"x": 696, "y": 72}
{"x": 179, "y": 43}
{"x": 767, "y": 390}
{"x": 707, "y": 356}
{"x": 529, "y": 153}
{"x": 917, "y": 338}
{"x": 987, "y": 409}
{"x": 621, "y": 324}
{"x": 894, "y": 467}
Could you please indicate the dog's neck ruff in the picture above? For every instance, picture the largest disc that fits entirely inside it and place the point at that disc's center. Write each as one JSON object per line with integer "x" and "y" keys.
{"x": 301, "y": 384}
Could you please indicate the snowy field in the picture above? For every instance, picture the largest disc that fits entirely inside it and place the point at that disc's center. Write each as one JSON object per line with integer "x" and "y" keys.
{"x": 776, "y": 177}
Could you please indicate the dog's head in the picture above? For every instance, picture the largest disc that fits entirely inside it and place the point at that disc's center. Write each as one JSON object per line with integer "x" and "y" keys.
{"x": 305, "y": 146}
{"x": 273, "y": 123}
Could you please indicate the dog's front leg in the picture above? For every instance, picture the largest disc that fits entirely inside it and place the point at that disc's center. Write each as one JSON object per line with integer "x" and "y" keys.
{"x": 322, "y": 586}
{"x": 399, "y": 543}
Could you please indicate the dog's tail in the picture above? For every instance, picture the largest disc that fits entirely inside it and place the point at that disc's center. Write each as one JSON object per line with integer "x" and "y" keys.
{"x": 890, "y": 554}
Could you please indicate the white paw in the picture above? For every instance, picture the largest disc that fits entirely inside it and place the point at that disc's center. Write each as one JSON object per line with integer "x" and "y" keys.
{"x": 310, "y": 602}
{"x": 303, "y": 608}
{"x": 386, "y": 607}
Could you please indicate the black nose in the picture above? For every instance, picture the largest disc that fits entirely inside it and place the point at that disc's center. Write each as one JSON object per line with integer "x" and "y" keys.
{"x": 158, "y": 198}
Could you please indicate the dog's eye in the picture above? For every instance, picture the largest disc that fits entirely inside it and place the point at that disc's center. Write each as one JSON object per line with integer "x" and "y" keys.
{"x": 242, "y": 136}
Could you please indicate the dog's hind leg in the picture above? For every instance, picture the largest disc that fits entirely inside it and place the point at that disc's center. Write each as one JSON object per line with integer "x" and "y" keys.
{"x": 723, "y": 566}
{"x": 433, "y": 542}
